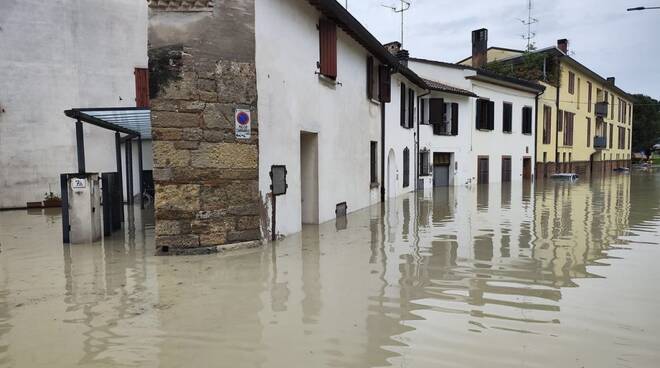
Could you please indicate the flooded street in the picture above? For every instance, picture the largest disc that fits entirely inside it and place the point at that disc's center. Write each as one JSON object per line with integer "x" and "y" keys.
{"x": 557, "y": 275}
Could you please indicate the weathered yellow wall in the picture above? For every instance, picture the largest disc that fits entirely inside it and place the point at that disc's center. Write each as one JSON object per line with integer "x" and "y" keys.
{"x": 578, "y": 104}
{"x": 494, "y": 54}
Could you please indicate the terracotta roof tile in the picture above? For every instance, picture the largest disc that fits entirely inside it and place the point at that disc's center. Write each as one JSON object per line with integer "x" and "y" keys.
{"x": 437, "y": 86}
{"x": 181, "y": 5}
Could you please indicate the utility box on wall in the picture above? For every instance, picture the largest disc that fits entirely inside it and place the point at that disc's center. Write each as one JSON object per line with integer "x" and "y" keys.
{"x": 81, "y": 208}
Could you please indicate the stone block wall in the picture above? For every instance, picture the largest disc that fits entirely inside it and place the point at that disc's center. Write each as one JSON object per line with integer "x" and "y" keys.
{"x": 207, "y": 193}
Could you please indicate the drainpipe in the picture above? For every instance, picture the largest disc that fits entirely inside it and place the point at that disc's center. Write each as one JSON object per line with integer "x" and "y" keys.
{"x": 419, "y": 109}
{"x": 382, "y": 152}
{"x": 557, "y": 109}
{"x": 536, "y": 132}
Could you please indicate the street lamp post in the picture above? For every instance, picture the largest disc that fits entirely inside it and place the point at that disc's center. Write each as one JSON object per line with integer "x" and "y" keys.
{"x": 644, "y": 8}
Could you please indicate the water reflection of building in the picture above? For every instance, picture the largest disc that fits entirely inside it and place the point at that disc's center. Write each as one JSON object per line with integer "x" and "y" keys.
{"x": 495, "y": 257}
{"x": 111, "y": 290}
{"x": 575, "y": 224}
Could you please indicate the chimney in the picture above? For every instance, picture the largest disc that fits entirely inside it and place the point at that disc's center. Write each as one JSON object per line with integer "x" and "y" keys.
{"x": 403, "y": 56}
{"x": 611, "y": 80}
{"x": 393, "y": 47}
{"x": 563, "y": 45}
{"x": 479, "y": 47}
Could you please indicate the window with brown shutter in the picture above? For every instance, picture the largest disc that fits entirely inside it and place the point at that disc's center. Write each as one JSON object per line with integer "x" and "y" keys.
{"x": 560, "y": 120}
{"x": 568, "y": 128}
{"x": 611, "y": 134}
{"x": 527, "y": 117}
{"x": 370, "y": 77}
{"x": 571, "y": 82}
{"x": 507, "y": 117}
{"x": 437, "y": 114}
{"x": 491, "y": 115}
{"x": 402, "y": 96}
{"x": 328, "y": 48}
{"x": 411, "y": 108}
{"x": 485, "y": 117}
{"x": 589, "y": 96}
{"x": 141, "y": 87}
{"x": 547, "y": 124}
{"x": 384, "y": 83}
{"x": 588, "y": 132}
{"x": 454, "y": 119}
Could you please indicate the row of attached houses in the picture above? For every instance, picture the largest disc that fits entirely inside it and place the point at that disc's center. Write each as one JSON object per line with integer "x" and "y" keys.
{"x": 584, "y": 120}
{"x": 350, "y": 121}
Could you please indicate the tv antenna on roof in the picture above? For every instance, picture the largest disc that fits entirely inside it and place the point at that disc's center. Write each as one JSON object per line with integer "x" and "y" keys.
{"x": 405, "y": 6}
{"x": 528, "y": 22}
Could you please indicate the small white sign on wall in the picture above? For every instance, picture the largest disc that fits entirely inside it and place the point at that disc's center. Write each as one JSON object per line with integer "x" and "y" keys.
{"x": 78, "y": 184}
{"x": 243, "y": 121}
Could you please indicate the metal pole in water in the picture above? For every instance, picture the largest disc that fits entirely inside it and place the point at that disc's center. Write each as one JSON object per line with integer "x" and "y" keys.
{"x": 273, "y": 231}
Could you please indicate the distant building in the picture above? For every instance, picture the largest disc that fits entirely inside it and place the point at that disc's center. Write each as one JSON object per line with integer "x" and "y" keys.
{"x": 476, "y": 127}
{"x": 584, "y": 121}
{"x": 58, "y": 55}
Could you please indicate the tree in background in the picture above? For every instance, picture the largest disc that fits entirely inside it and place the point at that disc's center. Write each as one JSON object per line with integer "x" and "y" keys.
{"x": 646, "y": 124}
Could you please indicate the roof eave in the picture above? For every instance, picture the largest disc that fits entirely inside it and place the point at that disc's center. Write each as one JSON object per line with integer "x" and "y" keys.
{"x": 523, "y": 86}
{"x": 333, "y": 10}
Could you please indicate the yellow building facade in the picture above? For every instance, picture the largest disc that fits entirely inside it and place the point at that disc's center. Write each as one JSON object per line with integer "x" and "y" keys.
{"x": 584, "y": 124}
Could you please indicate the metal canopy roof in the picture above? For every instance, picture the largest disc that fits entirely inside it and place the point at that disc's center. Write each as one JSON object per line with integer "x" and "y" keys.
{"x": 134, "y": 121}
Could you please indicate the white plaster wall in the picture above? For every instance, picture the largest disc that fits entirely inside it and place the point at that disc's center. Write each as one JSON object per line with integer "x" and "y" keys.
{"x": 462, "y": 166}
{"x": 58, "y": 55}
{"x": 293, "y": 99}
{"x": 471, "y": 143}
{"x": 398, "y": 138}
{"x": 496, "y": 143}
{"x": 453, "y": 76}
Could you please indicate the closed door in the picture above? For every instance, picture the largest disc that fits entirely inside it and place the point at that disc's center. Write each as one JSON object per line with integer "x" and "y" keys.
{"x": 527, "y": 168}
{"x": 440, "y": 176}
{"x": 482, "y": 170}
{"x": 506, "y": 169}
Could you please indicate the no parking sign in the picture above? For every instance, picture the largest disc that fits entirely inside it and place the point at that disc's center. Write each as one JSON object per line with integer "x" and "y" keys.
{"x": 243, "y": 123}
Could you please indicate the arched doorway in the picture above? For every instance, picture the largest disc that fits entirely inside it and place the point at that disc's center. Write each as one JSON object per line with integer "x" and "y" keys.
{"x": 391, "y": 174}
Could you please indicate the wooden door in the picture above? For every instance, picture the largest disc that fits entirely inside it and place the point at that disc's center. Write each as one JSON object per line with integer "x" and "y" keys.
{"x": 482, "y": 170}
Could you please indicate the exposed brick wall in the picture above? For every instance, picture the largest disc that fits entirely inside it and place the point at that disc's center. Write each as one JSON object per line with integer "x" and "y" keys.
{"x": 206, "y": 180}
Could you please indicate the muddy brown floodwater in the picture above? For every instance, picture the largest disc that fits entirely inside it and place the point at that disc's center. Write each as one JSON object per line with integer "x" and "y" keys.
{"x": 560, "y": 275}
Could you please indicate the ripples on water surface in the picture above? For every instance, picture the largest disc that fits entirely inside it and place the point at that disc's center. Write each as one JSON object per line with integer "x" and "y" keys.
{"x": 561, "y": 275}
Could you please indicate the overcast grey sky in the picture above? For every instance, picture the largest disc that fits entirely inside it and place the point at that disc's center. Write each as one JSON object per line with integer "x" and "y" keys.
{"x": 602, "y": 34}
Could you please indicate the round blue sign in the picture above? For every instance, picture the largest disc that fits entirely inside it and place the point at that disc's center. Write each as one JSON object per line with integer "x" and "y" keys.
{"x": 243, "y": 118}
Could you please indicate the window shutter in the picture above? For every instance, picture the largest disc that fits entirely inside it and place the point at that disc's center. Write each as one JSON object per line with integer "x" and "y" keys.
{"x": 560, "y": 122}
{"x": 436, "y": 106}
{"x": 479, "y": 114}
{"x": 328, "y": 48}
{"x": 454, "y": 118}
{"x": 370, "y": 77}
{"x": 507, "y": 117}
{"x": 491, "y": 115}
{"x": 385, "y": 84}
{"x": 422, "y": 112}
{"x": 411, "y": 108}
{"x": 141, "y": 87}
{"x": 527, "y": 120}
{"x": 403, "y": 104}
{"x": 406, "y": 167}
